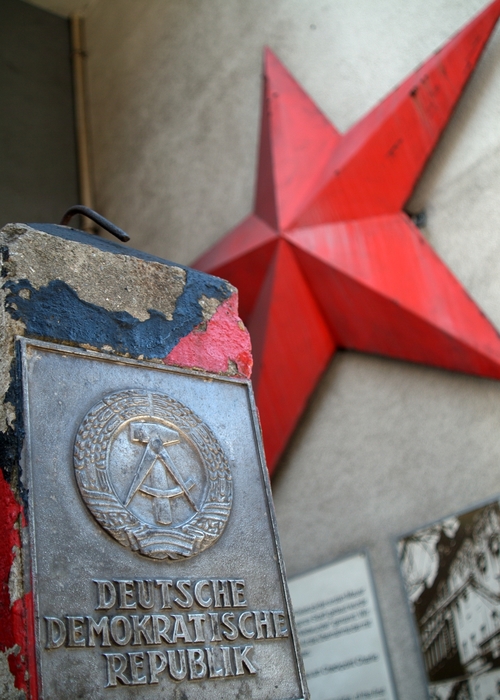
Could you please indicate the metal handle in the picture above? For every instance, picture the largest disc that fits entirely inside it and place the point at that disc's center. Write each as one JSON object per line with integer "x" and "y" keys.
{"x": 97, "y": 218}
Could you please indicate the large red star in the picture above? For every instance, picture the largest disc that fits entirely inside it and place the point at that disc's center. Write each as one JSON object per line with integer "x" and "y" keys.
{"x": 329, "y": 260}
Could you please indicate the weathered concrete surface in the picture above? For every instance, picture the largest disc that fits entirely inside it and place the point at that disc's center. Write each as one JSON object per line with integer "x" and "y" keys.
{"x": 68, "y": 287}
{"x": 7, "y": 688}
{"x": 123, "y": 302}
{"x": 38, "y": 257}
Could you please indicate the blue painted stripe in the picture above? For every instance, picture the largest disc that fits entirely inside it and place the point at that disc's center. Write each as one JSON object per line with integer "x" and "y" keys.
{"x": 57, "y": 313}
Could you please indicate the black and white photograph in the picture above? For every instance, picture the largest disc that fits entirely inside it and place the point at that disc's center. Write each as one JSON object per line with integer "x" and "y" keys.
{"x": 451, "y": 571}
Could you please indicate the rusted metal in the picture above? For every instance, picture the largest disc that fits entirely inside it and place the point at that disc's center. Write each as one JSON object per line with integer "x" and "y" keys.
{"x": 100, "y": 220}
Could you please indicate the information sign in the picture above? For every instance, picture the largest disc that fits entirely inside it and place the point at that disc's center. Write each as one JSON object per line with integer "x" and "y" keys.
{"x": 340, "y": 632}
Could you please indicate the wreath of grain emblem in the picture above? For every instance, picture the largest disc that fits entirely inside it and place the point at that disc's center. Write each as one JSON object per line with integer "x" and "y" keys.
{"x": 91, "y": 455}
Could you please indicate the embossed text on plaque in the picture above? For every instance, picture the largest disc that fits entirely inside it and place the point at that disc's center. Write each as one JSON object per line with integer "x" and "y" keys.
{"x": 156, "y": 570}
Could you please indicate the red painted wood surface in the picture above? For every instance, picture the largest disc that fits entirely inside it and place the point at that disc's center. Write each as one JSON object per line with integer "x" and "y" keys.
{"x": 328, "y": 258}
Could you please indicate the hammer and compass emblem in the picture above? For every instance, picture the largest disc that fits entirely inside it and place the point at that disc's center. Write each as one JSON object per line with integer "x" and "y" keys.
{"x": 153, "y": 474}
{"x": 157, "y": 438}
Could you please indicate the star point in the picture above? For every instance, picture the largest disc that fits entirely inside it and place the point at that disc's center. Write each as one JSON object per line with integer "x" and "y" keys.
{"x": 329, "y": 260}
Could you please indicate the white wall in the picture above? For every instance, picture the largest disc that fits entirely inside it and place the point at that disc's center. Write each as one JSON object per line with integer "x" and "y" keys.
{"x": 175, "y": 90}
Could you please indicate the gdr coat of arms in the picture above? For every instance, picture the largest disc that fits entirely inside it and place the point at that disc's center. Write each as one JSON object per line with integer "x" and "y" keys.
{"x": 153, "y": 474}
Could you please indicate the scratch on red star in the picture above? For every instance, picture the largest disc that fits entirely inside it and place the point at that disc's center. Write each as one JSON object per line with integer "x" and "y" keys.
{"x": 329, "y": 260}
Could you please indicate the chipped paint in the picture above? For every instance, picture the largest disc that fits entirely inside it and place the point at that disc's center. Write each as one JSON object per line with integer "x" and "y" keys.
{"x": 55, "y": 291}
{"x": 69, "y": 287}
{"x": 8, "y": 690}
{"x": 56, "y": 312}
{"x": 42, "y": 258}
{"x": 16, "y": 590}
{"x": 13, "y": 627}
{"x": 208, "y": 306}
{"x": 222, "y": 345}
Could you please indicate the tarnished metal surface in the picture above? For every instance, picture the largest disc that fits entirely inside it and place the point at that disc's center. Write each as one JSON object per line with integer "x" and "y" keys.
{"x": 155, "y": 564}
{"x": 153, "y": 474}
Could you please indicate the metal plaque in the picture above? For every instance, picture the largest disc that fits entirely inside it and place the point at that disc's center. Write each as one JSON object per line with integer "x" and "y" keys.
{"x": 155, "y": 564}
